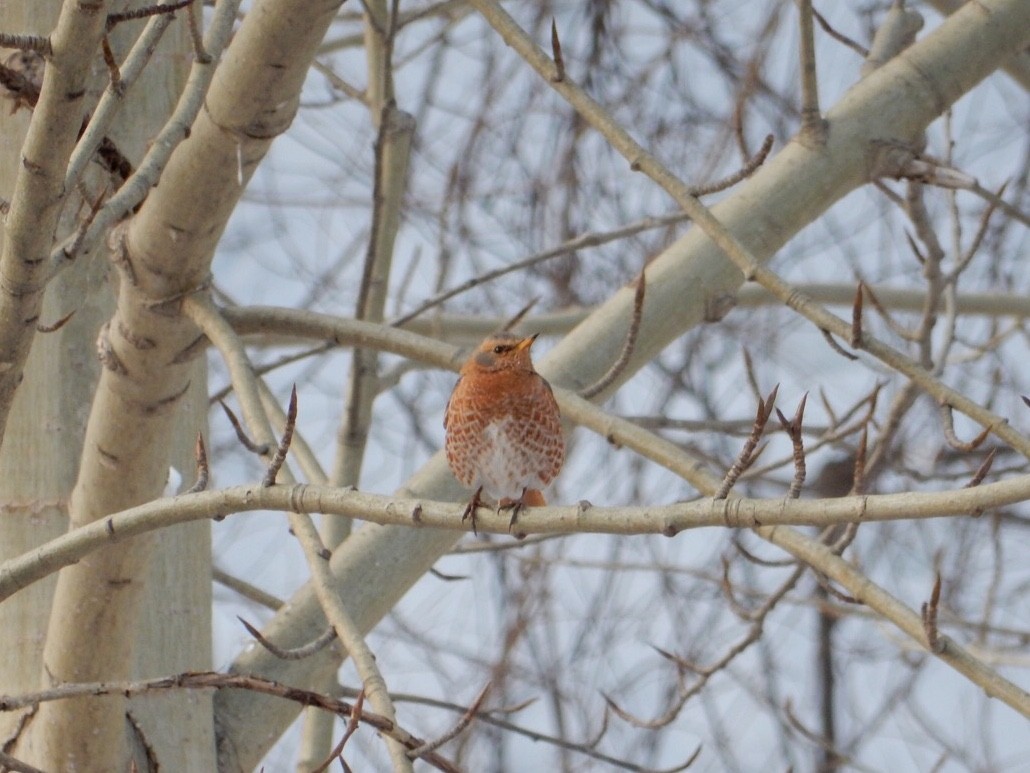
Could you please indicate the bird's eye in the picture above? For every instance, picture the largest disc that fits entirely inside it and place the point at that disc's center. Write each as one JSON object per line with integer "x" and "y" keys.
{"x": 500, "y": 349}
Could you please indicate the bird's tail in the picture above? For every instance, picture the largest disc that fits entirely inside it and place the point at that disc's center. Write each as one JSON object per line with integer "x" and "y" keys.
{"x": 533, "y": 498}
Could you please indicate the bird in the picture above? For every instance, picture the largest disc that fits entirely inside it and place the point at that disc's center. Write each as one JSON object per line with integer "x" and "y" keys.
{"x": 503, "y": 427}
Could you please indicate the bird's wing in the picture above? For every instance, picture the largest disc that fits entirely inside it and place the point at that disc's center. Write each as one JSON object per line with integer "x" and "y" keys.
{"x": 447, "y": 410}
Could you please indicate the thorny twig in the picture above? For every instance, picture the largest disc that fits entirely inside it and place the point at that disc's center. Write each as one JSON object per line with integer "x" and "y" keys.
{"x": 203, "y": 473}
{"x": 459, "y": 727}
{"x": 981, "y": 231}
{"x": 747, "y": 454}
{"x": 284, "y": 443}
{"x": 37, "y": 44}
{"x": 581, "y": 242}
{"x": 197, "y": 37}
{"x": 757, "y": 560}
{"x": 144, "y": 12}
{"x": 824, "y": 583}
{"x": 210, "y": 680}
{"x": 71, "y": 251}
{"x": 627, "y": 348}
{"x": 979, "y": 475}
{"x": 352, "y": 726}
{"x": 1010, "y": 210}
{"x": 812, "y": 125}
{"x": 749, "y": 168}
{"x": 519, "y": 315}
{"x": 255, "y": 448}
{"x": 836, "y": 346}
{"x": 268, "y": 367}
{"x": 983, "y": 469}
{"x": 55, "y": 326}
{"x": 856, "y": 317}
{"x": 838, "y": 756}
{"x": 948, "y": 421}
{"x": 929, "y": 613}
{"x": 559, "y": 61}
{"x": 752, "y": 378}
{"x": 794, "y": 430}
{"x": 112, "y": 66}
{"x": 7, "y": 762}
{"x": 704, "y": 673}
{"x": 861, "y": 50}
{"x": 297, "y": 653}
{"x": 859, "y": 475}
{"x": 900, "y": 330}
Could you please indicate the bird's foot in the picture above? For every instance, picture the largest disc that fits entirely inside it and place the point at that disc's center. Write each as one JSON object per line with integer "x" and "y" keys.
{"x": 471, "y": 507}
{"x": 529, "y": 498}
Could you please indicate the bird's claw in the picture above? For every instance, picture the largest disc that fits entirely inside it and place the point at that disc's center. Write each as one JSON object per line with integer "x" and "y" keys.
{"x": 516, "y": 506}
{"x": 470, "y": 509}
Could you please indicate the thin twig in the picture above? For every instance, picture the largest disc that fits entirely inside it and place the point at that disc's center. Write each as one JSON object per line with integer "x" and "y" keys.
{"x": 981, "y": 231}
{"x": 72, "y": 250}
{"x": 758, "y": 561}
{"x": 286, "y": 359}
{"x": 143, "y": 12}
{"x": 284, "y": 442}
{"x": 752, "y": 377}
{"x": 296, "y": 653}
{"x": 983, "y": 469}
{"x": 519, "y": 315}
{"x": 200, "y": 454}
{"x": 743, "y": 173}
{"x": 55, "y": 326}
{"x": 559, "y": 61}
{"x": 37, "y": 44}
{"x": 836, "y": 346}
{"x": 352, "y": 726}
{"x": 859, "y": 475}
{"x": 812, "y": 125}
{"x": 747, "y": 454}
{"x": 7, "y": 762}
{"x": 246, "y": 589}
{"x": 793, "y": 428}
{"x": 199, "y": 51}
{"x": 459, "y": 727}
{"x": 948, "y": 421}
{"x": 1004, "y": 206}
{"x": 929, "y": 613}
{"x": 861, "y": 50}
{"x": 824, "y": 583}
{"x": 112, "y": 66}
{"x": 705, "y": 673}
{"x": 627, "y": 348}
{"x": 572, "y": 245}
{"x": 856, "y": 318}
{"x": 899, "y": 329}
{"x": 210, "y": 680}
{"x": 241, "y": 434}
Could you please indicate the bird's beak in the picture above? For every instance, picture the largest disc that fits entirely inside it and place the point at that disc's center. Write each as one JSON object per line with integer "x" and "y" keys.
{"x": 525, "y": 343}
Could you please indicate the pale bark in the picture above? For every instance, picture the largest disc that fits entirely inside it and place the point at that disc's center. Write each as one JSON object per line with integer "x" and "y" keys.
{"x": 37, "y": 469}
{"x": 38, "y": 196}
{"x": 148, "y": 351}
{"x": 895, "y": 104}
{"x": 182, "y": 591}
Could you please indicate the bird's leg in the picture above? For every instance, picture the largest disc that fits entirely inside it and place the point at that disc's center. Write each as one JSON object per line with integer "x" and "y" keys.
{"x": 471, "y": 507}
{"x": 516, "y": 506}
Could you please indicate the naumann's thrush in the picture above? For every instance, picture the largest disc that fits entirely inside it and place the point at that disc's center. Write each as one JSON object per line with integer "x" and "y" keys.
{"x": 504, "y": 435}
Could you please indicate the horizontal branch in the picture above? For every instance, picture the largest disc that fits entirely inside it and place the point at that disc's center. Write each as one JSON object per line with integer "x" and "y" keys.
{"x": 278, "y": 328}
{"x": 669, "y": 520}
{"x": 210, "y": 680}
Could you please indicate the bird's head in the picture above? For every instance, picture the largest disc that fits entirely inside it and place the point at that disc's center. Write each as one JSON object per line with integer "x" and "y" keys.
{"x": 503, "y": 351}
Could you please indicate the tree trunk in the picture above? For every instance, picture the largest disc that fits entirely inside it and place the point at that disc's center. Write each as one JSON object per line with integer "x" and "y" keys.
{"x": 40, "y": 467}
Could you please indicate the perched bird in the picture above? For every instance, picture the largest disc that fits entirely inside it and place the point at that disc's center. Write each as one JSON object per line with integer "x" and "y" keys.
{"x": 504, "y": 433}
